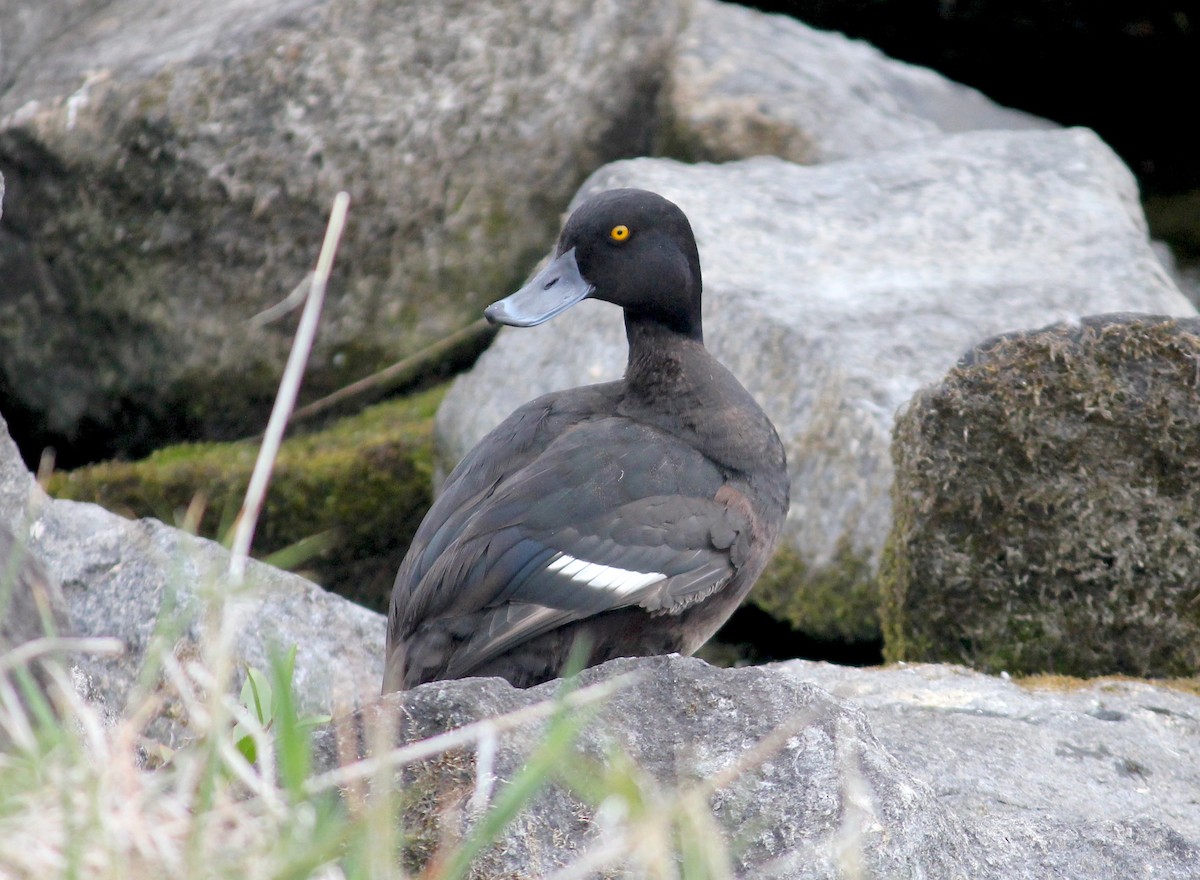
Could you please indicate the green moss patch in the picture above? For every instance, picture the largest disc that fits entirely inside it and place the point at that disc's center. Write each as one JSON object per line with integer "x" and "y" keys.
{"x": 1047, "y": 505}
{"x": 839, "y": 602}
{"x": 352, "y": 494}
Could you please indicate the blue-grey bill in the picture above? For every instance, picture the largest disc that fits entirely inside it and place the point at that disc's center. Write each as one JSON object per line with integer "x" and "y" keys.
{"x": 550, "y": 292}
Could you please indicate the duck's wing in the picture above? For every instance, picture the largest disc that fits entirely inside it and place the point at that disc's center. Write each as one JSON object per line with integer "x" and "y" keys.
{"x": 512, "y": 445}
{"x": 612, "y": 514}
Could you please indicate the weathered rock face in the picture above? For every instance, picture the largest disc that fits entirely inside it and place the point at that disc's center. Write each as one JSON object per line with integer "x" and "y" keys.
{"x": 684, "y": 722}
{"x": 133, "y": 580}
{"x": 31, "y": 603}
{"x": 1048, "y": 504}
{"x": 1059, "y": 778}
{"x": 745, "y": 84}
{"x": 31, "y": 606}
{"x": 170, "y": 169}
{"x": 834, "y": 292}
{"x": 970, "y": 776}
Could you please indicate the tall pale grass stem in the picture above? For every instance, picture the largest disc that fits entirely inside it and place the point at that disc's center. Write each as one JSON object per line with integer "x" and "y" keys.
{"x": 289, "y": 387}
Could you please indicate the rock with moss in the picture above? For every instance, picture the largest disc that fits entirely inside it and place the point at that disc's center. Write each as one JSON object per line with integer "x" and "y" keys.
{"x": 1047, "y": 504}
{"x": 837, "y": 602}
{"x": 342, "y": 505}
{"x": 835, "y": 291}
{"x": 172, "y": 165}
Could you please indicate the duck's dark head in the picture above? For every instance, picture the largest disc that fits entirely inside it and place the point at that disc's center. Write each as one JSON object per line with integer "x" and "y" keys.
{"x": 629, "y": 247}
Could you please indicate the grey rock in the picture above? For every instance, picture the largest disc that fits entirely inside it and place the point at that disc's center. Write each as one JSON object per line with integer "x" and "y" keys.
{"x": 828, "y": 795}
{"x": 171, "y": 167}
{"x": 835, "y": 291}
{"x": 31, "y": 607}
{"x": 1060, "y": 777}
{"x": 142, "y": 580}
{"x": 1188, "y": 280}
{"x": 1048, "y": 504}
{"x": 20, "y": 495}
{"x": 1071, "y": 65}
{"x": 119, "y": 575}
{"x": 744, "y": 83}
{"x": 32, "y": 604}
{"x": 1186, "y": 275}
{"x": 31, "y": 601}
{"x": 963, "y": 776}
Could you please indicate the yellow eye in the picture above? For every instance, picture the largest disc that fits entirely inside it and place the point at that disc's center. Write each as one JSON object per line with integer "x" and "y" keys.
{"x": 619, "y": 233}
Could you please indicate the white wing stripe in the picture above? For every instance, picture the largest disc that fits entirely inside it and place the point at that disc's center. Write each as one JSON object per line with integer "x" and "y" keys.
{"x": 573, "y": 566}
{"x": 621, "y": 581}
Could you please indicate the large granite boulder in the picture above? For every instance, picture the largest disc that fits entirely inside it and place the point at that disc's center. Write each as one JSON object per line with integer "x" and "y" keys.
{"x": 1047, "y": 504}
{"x": 148, "y": 584}
{"x": 834, "y": 292}
{"x": 967, "y": 776}
{"x": 742, "y": 83}
{"x": 683, "y": 723}
{"x": 170, "y": 167}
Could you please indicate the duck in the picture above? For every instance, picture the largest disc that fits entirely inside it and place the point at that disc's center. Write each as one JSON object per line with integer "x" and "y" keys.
{"x": 623, "y": 519}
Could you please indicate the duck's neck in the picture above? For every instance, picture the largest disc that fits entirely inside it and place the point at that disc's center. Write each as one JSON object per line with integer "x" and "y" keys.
{"x": 658, "y": 354}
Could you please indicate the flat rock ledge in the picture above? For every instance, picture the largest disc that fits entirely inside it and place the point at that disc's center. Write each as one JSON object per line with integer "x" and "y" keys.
{"x": 968, "y": 776}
